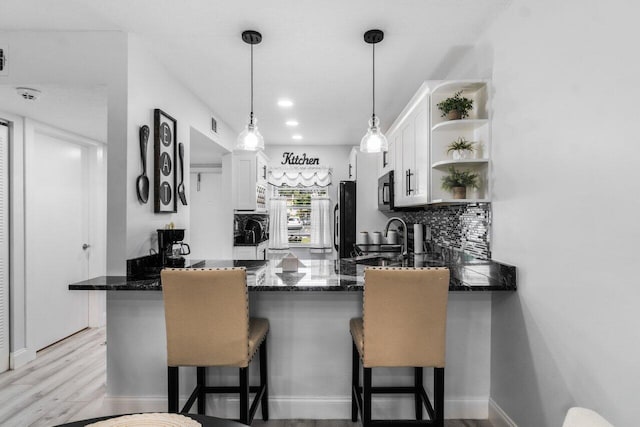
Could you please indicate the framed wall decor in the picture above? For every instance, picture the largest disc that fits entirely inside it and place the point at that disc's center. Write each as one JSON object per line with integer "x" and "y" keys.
{"x": 165, "y": 135}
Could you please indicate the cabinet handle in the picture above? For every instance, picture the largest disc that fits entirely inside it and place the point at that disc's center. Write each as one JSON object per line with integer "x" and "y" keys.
{"x": 409, "y": 175}
{"x": 406, "y": 182}
{"x": 384, "y": 159}
{"x": 350, "y": 167}
{"x": 264, "y": 172}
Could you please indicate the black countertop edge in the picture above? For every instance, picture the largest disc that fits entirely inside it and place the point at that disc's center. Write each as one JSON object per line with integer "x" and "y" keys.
{"x": 121, "y": 283}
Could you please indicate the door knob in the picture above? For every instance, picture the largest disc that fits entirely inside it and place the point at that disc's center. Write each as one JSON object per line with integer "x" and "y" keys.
{"x": 85, "y": 246}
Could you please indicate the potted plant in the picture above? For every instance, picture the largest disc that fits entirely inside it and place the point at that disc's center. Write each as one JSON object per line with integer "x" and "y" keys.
{"x": 456, "y": 107}
{"x": 460, "y": 148}
{"x": 457, "y": 182}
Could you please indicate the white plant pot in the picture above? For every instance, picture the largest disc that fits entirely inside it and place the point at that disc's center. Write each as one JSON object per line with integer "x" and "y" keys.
{"x": 460, "y": 154}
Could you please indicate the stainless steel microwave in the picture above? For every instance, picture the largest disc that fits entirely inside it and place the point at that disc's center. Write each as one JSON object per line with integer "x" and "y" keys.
{"x": 385, "y": 192}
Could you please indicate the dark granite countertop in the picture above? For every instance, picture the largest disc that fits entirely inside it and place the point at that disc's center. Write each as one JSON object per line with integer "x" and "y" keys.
{"x": 467, "y": 274}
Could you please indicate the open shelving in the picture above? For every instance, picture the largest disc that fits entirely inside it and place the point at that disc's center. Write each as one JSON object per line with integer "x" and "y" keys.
{"x": 475, "y": 128}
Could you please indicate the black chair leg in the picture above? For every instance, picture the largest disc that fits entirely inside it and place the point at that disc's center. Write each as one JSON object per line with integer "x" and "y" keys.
{"x": 418, "y": 386}
{"x": 172, "y": 388}
{"x": 264, "y": 402}
{"x": 438, "y": 396}
{"x": 200, "y": 379}
{"x": 366, "y": 399}
{"x": 355, "y": 381}
{"x": 244, "y": 395}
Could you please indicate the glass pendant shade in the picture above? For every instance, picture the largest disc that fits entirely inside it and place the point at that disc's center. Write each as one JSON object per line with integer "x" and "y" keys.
{"x": 250, "y": 138}
{"x": 374, "y": 141}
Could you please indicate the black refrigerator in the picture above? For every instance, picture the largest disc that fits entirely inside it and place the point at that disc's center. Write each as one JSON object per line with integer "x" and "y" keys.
{"x": 344, "y": 219}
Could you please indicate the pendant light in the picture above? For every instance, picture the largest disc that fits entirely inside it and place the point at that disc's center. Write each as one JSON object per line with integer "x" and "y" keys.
{"x": 374, "y": 141}
{"x": 250, "y": 138}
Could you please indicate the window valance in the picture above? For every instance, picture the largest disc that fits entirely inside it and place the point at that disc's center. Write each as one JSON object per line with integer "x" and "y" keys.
{"x": 300, "y": 177}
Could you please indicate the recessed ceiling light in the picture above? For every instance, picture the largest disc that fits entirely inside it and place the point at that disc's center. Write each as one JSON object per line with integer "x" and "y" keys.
{"x": 291, "y": 123}
{"x": 285, "y": 103}
{"x": 297, "y": 137}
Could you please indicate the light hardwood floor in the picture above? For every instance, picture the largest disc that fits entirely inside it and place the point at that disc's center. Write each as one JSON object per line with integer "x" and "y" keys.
{"x": 66, "y": 382}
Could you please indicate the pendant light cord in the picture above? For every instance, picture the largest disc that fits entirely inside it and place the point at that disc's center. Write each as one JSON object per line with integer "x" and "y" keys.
{"x": 373, "y": 112}
{"x": 251, "y": 83}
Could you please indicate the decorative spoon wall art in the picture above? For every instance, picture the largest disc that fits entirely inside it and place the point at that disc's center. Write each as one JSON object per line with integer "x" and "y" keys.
{"x": 142, "y": 183}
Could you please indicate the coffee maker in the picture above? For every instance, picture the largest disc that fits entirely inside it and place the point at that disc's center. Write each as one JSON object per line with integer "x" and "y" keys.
{"x": 171, "y": 247}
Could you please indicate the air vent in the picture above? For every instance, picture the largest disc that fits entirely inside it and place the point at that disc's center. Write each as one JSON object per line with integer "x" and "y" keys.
{"x": 28, "y": 93}
{"x": 4, "y": 60}
{"x": 214, "y": 125}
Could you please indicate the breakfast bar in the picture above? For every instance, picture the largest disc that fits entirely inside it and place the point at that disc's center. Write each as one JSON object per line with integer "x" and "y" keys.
{"x": 309, "y": 347}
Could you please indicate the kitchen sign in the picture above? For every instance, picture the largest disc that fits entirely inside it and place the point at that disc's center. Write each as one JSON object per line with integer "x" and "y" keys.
{"x": 165, "y": 165}
{"x": 294, "y": 159}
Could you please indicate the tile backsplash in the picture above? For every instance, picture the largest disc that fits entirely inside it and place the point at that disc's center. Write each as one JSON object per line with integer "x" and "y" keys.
{"x": 461, "y": 227}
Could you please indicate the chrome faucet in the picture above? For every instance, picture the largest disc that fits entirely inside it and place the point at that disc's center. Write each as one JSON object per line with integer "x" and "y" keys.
{"x": 405, "y": 244}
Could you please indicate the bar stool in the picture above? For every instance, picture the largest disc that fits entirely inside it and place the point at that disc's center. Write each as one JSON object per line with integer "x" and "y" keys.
{"x": 403, "y": 325}
{"x": 207, "y": 323}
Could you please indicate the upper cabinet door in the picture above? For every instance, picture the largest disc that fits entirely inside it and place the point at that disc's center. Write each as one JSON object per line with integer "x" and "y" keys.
{"x": 386, "y": 158}
{"x": 249, "y": 181}
{"x": 412, "y": 155}
{"x": 353, "y": 162}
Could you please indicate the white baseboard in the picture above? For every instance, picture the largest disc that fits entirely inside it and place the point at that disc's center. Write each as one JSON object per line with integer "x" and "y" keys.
{"x": 292, "y": 407}
{"x": 21, "y": 357}
{"x": 498, "y": 417}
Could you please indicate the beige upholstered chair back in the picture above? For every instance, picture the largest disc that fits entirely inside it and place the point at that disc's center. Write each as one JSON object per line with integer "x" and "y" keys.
{"x": 404, "y": 316}
{"x": 207, "y": 317}
{"x": 583, "y": 417}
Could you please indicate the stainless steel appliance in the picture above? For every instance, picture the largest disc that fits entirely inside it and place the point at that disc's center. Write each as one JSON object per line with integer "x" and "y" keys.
{"x": 171, "y": 247}
{"x": 385, "y": 192}
{"x": 344, "y": 219}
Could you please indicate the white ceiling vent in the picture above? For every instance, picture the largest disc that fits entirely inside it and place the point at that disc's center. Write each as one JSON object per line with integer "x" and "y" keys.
{"x": 4, "y": 65}
{"x": 28, "y": 93}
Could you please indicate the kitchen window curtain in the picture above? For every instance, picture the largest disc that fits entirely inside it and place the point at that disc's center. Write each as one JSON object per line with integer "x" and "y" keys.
{"x": 300, "y": 177}
{"x": 278, "y": 238}
{"x": 320, "y": 224}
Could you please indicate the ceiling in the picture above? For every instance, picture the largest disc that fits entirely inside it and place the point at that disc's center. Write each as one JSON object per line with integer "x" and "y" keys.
{"x": 82, "y": 110}
{"x": 312, "y": 53}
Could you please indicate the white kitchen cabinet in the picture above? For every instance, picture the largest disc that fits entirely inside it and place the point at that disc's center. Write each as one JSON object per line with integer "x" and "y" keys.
{"x": 410, "y": 141}
{"x": 251, "y": 252}
{"x": 475, "y": 128}
{"x": 386, "y": 158}
{"x": 249, "y": 181}
{"x": 353, "y": 164}
{"x": 418, "y": 141}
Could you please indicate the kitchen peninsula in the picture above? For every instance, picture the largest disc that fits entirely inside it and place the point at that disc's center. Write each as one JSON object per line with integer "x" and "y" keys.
{"x": 309, "y": 347}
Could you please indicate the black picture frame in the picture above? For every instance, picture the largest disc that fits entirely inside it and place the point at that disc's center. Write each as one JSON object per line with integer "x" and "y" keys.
{"x": 165, "y": 166}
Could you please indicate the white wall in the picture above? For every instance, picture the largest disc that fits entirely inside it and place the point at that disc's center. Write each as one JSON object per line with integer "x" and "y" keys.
{"x": 150, "y": 86}
{"x": 565, "y": 148}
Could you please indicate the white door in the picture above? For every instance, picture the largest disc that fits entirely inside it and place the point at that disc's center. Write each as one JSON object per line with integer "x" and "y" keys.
{"x": 57, "y": 209}
{"x": 4, "y": 249}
